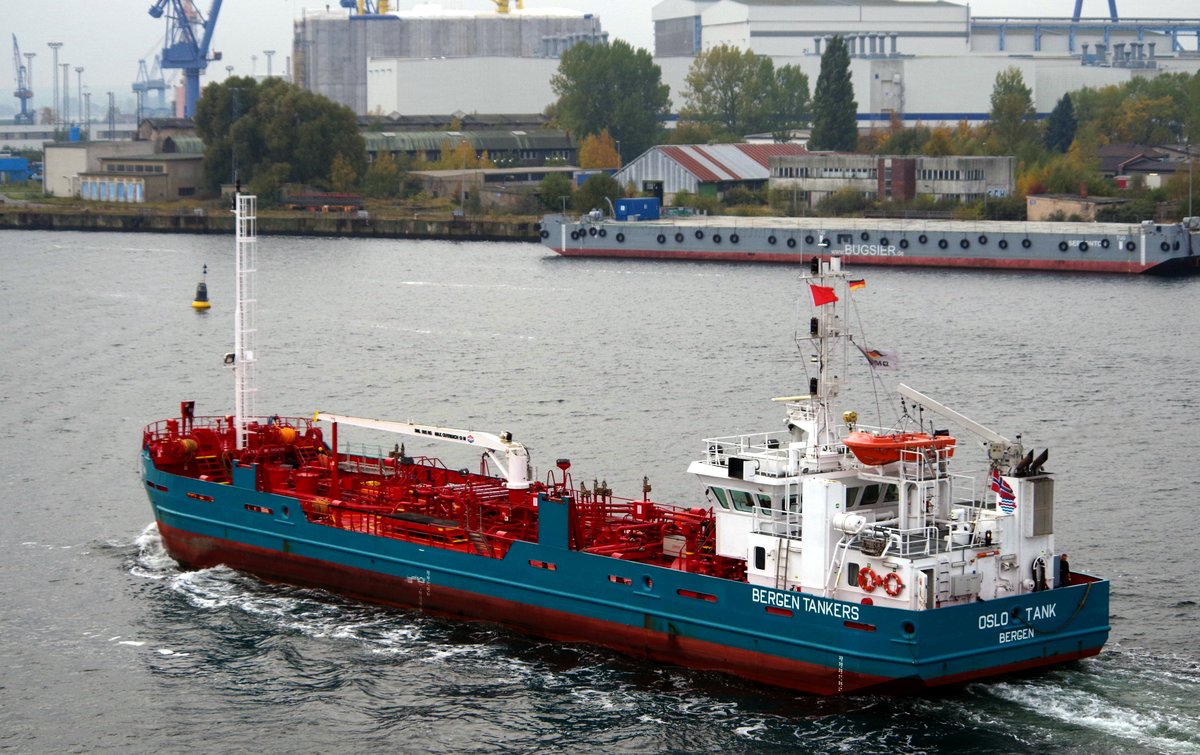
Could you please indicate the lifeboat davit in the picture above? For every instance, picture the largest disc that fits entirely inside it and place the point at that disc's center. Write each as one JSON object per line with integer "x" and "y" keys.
{"x": 877, "y": 450}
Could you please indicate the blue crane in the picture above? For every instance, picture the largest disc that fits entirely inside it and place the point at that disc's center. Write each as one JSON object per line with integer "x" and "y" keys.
{"x": 189, "y": 33}
{"x": 23, "y": 93}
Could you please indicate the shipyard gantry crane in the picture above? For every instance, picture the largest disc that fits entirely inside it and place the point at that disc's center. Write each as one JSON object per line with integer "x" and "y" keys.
{"x": 189, "y": 34}
{"x": 23, "y": 93}
{"x": 151, "y": 81}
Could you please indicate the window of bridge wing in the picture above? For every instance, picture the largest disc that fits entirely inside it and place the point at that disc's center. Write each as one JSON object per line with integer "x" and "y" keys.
{"x": 720, "y": 496}
{"x": 764, "y": 502}
{"x": 742, "y": 501}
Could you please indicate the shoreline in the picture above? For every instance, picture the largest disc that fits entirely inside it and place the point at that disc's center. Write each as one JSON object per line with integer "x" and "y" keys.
{"x": 31, "y": 218}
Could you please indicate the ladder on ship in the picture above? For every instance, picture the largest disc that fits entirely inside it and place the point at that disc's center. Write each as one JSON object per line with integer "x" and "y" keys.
{"x": 211, "y": 468}
{"x": 839, "y": 562}
{"x": 782, "y": 552}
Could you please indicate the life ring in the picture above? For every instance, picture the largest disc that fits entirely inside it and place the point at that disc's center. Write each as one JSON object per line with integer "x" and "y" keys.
{"x": 662, "y": 239}
{"x": 733, "y": 238}
{"x": 791, "y": 243}
{"x": 868, "y": 580}
{"x": 892, "y": 584}
{"x": 771, "y": 240}
{"x": 620, "y": 238}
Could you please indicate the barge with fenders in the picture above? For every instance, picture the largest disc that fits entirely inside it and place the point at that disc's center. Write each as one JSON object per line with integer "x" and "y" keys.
{"x": 805, "y": 566}
{"x": 1148, "y": 247}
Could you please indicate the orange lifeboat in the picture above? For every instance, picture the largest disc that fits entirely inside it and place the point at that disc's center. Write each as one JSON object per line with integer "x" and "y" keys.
{"x": 877, "y": 450}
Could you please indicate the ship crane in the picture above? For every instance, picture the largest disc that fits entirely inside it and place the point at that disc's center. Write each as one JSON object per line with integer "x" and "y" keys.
{"x": 1000, "y": 449}
{"x": 189, "y": 34}
{"x": 151, "y": 81}
{"x": 23, "y": 93}
{"x": 510, "y": 457}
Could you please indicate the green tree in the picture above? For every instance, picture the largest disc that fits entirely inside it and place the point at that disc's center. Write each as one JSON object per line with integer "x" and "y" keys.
{"x": 553, "y": 188}
{"x": 276, "y": 131}
{"x": 596, "y": 193}
{"x": 614, "y": 87}
{"x": 383, "y": 177}
{"x": 1012, "y": 126}
{"x": 342, "y": 176}
{"x": 1060, "y": 126}
{"x": 736, "y": 92}
{"x": 835, "y": 113}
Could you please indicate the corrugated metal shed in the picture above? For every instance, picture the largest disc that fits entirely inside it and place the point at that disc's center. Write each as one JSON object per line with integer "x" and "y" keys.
{"x": 687, "y": 167}
{"x": 426, "y": 143}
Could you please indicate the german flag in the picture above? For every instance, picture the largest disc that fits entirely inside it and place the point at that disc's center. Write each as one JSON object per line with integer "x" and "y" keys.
{"x": 857, "y": 284}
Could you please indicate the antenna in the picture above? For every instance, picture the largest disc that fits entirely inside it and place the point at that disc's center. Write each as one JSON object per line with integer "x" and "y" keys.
{"x": 244, "y": 327}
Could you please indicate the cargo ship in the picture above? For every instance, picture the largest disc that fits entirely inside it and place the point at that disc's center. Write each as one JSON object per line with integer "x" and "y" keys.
{"x": 829, "y": 557}
{"x": 635, "y": 230}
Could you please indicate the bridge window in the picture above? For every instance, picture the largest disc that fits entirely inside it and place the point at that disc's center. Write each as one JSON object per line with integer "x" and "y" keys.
{"x": 720, "y": 495}
{"x": 742, "y": 500}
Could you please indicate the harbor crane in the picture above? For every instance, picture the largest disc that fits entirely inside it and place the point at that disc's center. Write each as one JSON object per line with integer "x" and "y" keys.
{"x": 149, "y": 81}
{"x": 24, "y": 93}
{"x": 189, "y": 34}
{"x": 367, "y": 7}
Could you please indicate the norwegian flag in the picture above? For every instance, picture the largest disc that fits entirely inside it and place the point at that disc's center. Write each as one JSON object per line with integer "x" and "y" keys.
{"x": 1004, "y": 493}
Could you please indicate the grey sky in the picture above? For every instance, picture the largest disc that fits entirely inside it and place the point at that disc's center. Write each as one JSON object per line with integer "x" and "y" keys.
{"x": 107, "y": 37}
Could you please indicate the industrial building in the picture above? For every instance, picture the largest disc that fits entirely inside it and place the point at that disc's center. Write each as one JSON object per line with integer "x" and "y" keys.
{"x": 332, "y": 50}
{"x": 708, "y": 170}
{"x": 814, "y": 176}
{"x": 930, "y": 62}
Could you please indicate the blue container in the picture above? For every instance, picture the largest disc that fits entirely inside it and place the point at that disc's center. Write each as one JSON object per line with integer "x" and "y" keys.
{"x": 637, "y": 208}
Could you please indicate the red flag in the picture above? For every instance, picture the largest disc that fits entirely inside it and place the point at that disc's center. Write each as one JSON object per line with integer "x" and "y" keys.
{"x": 822, "y": 295}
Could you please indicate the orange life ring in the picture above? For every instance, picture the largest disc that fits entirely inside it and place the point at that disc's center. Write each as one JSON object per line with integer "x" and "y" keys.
{"x": 868, "y": 580}
{"x": 892, "y": 584}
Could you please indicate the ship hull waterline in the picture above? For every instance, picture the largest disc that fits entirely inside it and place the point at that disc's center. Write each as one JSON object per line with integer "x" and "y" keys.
{"x": 645, "y": 622}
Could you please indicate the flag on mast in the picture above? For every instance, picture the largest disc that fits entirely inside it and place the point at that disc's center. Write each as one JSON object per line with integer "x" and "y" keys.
{"x": 857, "y": 284}
{"x": 822, "y": 294}
{"x": 881, "y": 359}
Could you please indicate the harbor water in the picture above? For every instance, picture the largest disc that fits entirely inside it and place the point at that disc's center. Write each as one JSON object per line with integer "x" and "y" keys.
{"x": 622, "y": 366}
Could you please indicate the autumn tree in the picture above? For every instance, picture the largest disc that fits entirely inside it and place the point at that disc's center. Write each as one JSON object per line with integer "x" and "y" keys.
{"x": 342, "y": 176}
{"x": 835, "y": 113}
{"x": 1012, "y": 126}
{"x": 614, "y": 87}
{"x": 383, "y": 177}
{"x": 598, "y": 151}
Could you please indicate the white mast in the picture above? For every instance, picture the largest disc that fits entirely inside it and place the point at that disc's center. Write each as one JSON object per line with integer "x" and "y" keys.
{"x": 244, "y": 326}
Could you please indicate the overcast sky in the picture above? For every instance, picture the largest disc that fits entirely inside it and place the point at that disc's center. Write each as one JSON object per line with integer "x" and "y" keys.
{"x": 108, "y": 37}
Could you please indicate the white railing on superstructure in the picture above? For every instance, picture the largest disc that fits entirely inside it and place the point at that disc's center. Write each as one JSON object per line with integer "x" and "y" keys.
{"x": 244, "y": 325}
